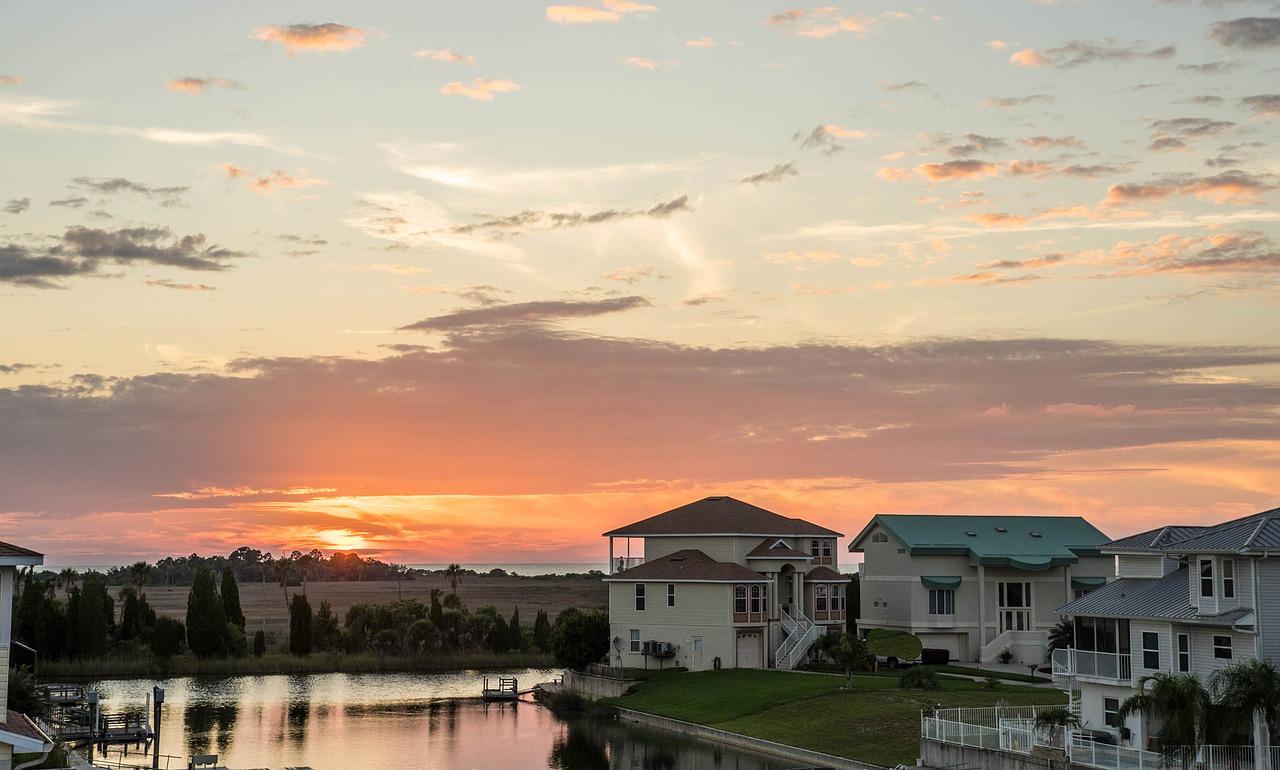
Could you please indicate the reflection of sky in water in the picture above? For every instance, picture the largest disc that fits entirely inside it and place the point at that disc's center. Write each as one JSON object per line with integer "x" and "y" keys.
{"x": 339, "y": 721}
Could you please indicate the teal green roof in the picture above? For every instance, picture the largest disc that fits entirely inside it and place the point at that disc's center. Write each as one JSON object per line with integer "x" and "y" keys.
{"x": 941, "y": 582}
{"x": 1024, "y": 542}
{"x": 1087, "y": 583}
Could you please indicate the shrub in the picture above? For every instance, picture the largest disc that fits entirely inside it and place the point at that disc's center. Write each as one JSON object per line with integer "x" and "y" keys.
{"x": 992, "y": 682}
{"x": 920, "y": 679}
{"x": 1006, "y": 655}
{"x": 259, "y": 643}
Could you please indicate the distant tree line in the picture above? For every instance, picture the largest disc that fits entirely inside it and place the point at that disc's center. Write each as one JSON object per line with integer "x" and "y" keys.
{"x": 252, "y": 565}
{"x": 411, "y": 626}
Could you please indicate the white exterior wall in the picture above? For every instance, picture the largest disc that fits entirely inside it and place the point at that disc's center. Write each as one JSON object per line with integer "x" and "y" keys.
{"x": 703, "y": 610}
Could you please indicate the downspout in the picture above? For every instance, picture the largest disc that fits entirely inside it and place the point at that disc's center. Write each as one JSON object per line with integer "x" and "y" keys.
{"x": 48, "y": 747}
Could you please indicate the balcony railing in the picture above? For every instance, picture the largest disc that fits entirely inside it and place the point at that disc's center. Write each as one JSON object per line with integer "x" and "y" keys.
{"x": 1109, "y": 666}
{"x": 621, "y": 563}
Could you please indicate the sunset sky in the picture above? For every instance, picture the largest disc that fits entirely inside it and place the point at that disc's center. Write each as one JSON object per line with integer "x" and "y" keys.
{"x": 476, "y": 282}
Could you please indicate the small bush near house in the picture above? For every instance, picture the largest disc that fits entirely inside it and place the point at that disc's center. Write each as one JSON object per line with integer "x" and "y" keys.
{"x": 992, "y": 682}
{"x": 934, "y": 656}
{"x": 1006, "y": 655}
{"x": 920, "y": 679}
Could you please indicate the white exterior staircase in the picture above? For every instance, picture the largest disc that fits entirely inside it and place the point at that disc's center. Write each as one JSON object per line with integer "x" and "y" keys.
{"x": 801, "y": 634}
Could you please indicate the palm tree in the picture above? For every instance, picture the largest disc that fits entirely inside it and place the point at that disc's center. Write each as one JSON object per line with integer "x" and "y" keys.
{"x": 1053, "y": 720}
{"x": 453, "y": 573}
{"x": 1248, "y": 695}
{"x": 67, "y": 579}
{"x": 1184, "y": 704}
{"x": 284, "y": 570}
{"x": 1062, "y": 635}
{"x": 140, "y": 574}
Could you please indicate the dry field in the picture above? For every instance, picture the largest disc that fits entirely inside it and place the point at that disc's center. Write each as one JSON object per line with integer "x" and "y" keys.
{"x": 265, "y": 606}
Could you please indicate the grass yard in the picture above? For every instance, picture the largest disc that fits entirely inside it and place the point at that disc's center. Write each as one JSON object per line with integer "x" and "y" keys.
{"x": 876, "y": 722}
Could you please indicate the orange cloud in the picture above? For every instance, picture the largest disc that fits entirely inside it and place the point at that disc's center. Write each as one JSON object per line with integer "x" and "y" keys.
{"x": 480, "y": 89}
{"x": 820, "y": 22}
{"x": 444, "y": 54}
{"x": 957, "y": 169}
{"x": 702, "y": 42}
{"x": 816, "y": 256}
{"x": 12, "y": 80}
{"x": 997, "y": 45}
{"x": 642, "y": 63}
{"x": 232, "y": 170}
{"x": 278, "y": 180}
{"x": 893, "y": 174}
{"x": 580, "y": 14}
{"x": 313, "y": 37}
{"x": 840, "y": 132}
{"x": 1029, "y": 57}
{"x": 992, "y": 219}
{"x": 198, "y": 85}
{"x": 1235, "y": 187}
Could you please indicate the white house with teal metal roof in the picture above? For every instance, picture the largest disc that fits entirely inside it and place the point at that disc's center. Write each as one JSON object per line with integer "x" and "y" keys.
{"x": 977, "y": 585}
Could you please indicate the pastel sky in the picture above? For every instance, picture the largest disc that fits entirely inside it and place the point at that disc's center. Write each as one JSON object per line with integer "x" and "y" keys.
{"x": 479, "y": 281}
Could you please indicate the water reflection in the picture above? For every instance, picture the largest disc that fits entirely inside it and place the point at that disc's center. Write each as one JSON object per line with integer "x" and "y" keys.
{"x": 337, "y": 721}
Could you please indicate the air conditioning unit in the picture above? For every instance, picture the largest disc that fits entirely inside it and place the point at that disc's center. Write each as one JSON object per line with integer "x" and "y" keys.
{"x": 665, "y": 649}
{"x": 649, "y": 648}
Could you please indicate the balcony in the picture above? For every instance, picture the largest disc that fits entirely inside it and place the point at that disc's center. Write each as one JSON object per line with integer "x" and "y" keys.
{"x": 621, "y": 563}
{"x": 1109, "y": 667}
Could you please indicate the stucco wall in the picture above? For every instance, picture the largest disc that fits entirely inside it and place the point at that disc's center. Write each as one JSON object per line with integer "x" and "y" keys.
{"x": 938, "y": 754}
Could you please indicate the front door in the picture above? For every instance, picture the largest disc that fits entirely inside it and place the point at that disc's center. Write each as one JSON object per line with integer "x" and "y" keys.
{"x": 1015, "y": 607}
{"x": 695, "y": 661}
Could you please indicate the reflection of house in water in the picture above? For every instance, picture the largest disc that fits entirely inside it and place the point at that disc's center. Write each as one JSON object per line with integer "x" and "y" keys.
{"x": 595, "y": 744}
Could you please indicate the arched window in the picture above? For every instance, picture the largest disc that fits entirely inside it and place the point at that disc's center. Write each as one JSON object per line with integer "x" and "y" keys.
{"x": 826, "y": 549}
{"x": 757, "y": 602}
{"x": 813, "y": 549}
{"x": 740, "y": 600}
{"x": 820, "y": 598}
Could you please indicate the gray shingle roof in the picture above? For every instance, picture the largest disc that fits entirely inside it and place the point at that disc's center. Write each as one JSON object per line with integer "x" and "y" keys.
{"x": 688, "y": 565}
{"x": 1166, "y": 598}
{"x": 823, "y": 574}
{"x": 721, "y": 516}
{"x": 770, "y": 550}
{"x": 11, "y": 554}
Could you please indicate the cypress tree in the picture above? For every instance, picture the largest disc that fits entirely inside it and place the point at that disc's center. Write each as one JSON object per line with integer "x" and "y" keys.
{"x": 206, "y": 619}
{"x": 93, "y": 619}
{"x": 300, "y": 619}
{"x": 231, "y": 598}
{"x": 542, "y": 632}
{"x": 517, "y": 633}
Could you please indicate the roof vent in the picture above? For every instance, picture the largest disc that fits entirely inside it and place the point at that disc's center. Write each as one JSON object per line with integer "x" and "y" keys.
{"x": 715, "y": 498}
{"x": 1036, "y": 534}
{"x": 1001, "y": 529}
{"x": 677, "y": 558}
{"x": 970, "y": 533}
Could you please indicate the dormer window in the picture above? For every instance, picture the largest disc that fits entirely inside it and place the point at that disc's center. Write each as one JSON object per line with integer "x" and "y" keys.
{"x": 1206, "y": 578}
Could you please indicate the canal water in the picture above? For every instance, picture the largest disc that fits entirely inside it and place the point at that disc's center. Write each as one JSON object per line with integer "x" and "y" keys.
{"x": 391, "y": 721}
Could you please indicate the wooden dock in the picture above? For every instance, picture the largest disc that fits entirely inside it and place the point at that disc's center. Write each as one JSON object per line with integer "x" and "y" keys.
{"x": 507, "y": 689}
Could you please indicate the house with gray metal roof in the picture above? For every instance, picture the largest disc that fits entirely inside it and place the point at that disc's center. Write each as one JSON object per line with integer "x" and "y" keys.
{"x": 722, "y": 583}
{"x": 1186, "y": 600}
{"x": 976, "y": 586}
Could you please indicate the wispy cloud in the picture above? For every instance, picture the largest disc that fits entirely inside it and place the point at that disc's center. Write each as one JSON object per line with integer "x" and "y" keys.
{"x": 1079, "y": 53}
{"x": 480, "y": 89}
{"x": 198, "y": 85}
{"x": 1009, "y": 102}
{"x": 778, "y": 173}
{"x": 1043, "y": 142}
{"x": 525, "y": 313}
{"x": 823, "y": 137}
{"x": 444, "y": 54}
{"x": 275, "y": 180}
{"x": 821, "y": 22}
{"x": 641, "y": 62}
{"x": 957, "y": 169}
{"x": 1263, "y": 105}
{"x": 1236, "y": 187}
{"x": 700, "y": 42}
{"x": 87, "y": 250}
{"x": 313, "y": 37}
{"x": 180, "y": 286}
{"x": 611, "y": 11}
{"x": 16, "y": 206}
{"x": 164, "y": 196}
{"x": 12, "y": 80}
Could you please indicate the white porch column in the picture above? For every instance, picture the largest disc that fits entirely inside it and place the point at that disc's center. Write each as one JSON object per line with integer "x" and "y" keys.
{"x": 982, "y": 612}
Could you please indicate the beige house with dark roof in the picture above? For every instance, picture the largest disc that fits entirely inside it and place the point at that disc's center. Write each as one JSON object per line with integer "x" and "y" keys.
{"x": 722, "y": 581}
{"x": 18, "y": 735}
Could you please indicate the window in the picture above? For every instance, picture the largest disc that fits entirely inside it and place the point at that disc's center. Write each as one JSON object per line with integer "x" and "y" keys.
{"x": 837, "y": 599}
{"x": 671, "y": 594}
{"x": 879, "y": 537}
{"x": 1109, "y": 708}
{"x": 826, "y": 549}
{"x": 639, "y": 597}
{"x": 942, "y": 601}
{"x": 1150, "y": 649}
{"x": 902, "y": 550}
{"x": 1228, "y": 579}
{"x": 813, "y": 549}
{"x": 757, "y": 599}
{"x": 1015, "y": 594}
{"x": 740, "y": 600}
{"x": 1184, "y": 652}
{"x": 1078, "y": 593}
{"x": 1222, "y": 647}
{"x": 820, "y": 598}
{"x": 1206, "y": 578}
{"x": 635, "y": 640}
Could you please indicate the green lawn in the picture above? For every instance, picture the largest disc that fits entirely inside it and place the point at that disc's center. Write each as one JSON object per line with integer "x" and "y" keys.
{"x": 876, "y": 722}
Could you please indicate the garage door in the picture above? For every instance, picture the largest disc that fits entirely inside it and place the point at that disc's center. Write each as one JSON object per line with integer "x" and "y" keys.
{"x": 749, "y": 650}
